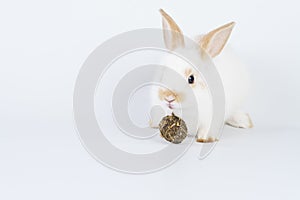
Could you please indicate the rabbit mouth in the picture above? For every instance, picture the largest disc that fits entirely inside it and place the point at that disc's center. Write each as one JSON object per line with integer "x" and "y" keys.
{"x": 169, "y": 103}
{"x": 170, "y": 106}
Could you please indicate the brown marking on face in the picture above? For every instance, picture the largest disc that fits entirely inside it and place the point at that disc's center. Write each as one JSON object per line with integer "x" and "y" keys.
{"x": 187, "y": 72}
{"x": 165, "y": 93}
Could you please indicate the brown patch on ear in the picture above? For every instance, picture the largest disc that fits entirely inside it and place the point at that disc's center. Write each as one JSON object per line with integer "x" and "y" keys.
{"x": 173, "y": 36}
{"x": 214, "y": 41}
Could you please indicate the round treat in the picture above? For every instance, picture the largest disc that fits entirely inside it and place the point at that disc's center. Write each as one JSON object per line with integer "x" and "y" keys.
{"x": 173, "y": 129}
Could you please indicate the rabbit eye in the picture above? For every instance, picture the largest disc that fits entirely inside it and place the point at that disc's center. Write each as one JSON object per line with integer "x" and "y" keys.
{"x": 191, "y": 79}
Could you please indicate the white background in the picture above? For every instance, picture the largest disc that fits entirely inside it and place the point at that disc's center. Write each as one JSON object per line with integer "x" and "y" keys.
{"x": 42, "y": 47}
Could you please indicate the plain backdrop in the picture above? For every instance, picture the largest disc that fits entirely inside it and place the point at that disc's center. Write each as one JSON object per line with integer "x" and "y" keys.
{"x": 42, "y": 47}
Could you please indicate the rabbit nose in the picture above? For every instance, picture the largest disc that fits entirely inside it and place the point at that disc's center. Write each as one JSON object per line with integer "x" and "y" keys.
{"x": 170, "y": 99}
{"x": 168, "y": 95}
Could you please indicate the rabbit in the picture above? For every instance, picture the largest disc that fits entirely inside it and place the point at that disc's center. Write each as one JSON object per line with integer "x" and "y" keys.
{"x": 232, "y": 73}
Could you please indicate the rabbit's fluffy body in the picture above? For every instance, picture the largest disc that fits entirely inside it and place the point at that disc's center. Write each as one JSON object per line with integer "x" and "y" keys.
{"x": 231, "y": 71}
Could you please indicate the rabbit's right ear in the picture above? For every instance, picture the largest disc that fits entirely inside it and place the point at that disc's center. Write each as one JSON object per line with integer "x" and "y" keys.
{"x": 173, "y": 36}
{"x": 214, "y": 41}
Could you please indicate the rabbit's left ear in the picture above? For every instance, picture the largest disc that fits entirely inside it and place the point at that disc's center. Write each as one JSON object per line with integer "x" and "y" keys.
{"x": 214, "y": 41}
{"x": 173, "y": 36}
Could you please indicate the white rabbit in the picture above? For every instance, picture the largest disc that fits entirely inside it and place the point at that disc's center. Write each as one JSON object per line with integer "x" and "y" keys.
{"x": 231, "y": 71}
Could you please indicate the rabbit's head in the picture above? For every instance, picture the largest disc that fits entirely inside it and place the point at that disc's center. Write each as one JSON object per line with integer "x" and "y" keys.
{"x": 212, "y": 43}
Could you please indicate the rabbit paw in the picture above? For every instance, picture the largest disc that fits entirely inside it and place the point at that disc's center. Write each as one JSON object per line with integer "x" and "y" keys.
{"x": 240, "y": 120}
{"x": 207, "y": 140}
{"x": 204, "y": 137}
{"x": 153, "y": 125}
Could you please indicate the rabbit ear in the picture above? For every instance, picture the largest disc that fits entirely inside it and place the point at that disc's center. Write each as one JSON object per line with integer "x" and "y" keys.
{"x": 214, "y": 41}
{"x": 173, "y": 36}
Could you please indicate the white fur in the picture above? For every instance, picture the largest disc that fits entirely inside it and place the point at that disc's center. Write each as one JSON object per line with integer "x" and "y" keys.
{"x": 235, "y": 82}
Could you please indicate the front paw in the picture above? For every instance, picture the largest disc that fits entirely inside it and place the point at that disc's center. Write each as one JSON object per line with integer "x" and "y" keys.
{"x": 207, "y": 140}
{"x": 153, "y": 125}
{"x": 240, "y": 120}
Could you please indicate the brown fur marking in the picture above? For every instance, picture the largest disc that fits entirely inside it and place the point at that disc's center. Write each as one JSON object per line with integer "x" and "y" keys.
{"x": 177, "y": 36}
{"x": 164, "y": 93}
{"x": 206, "y": 39}
{"x": 207, "y": 140}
